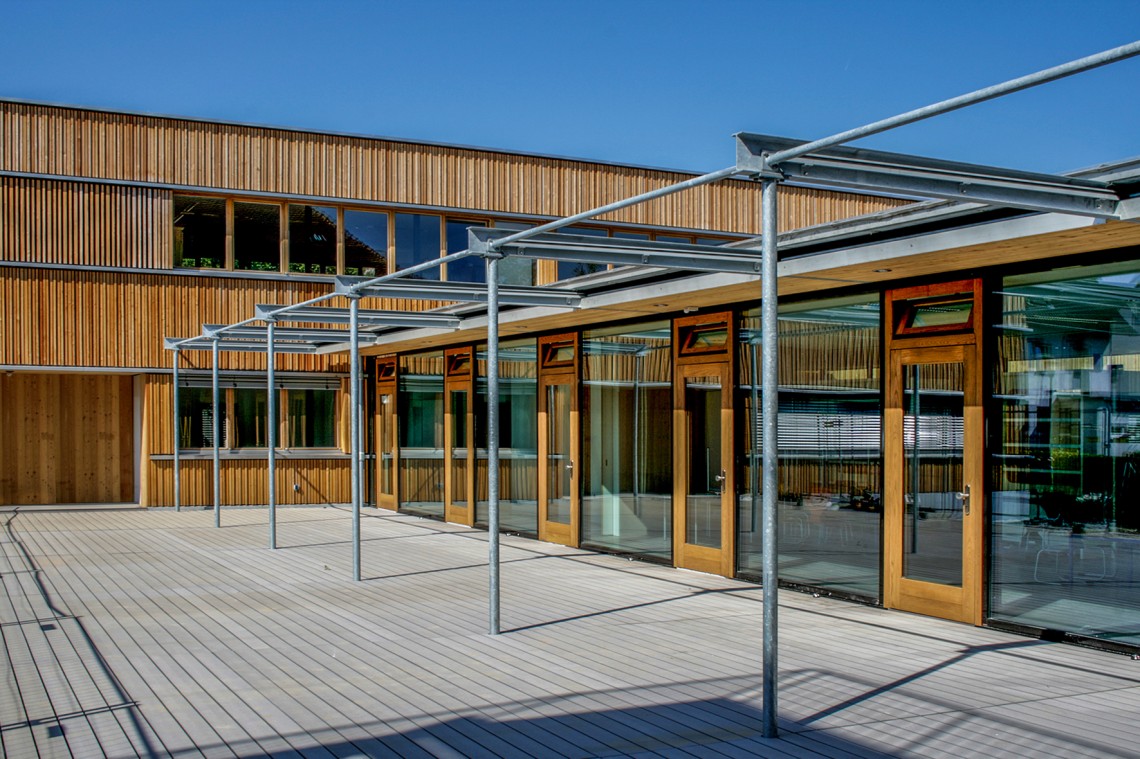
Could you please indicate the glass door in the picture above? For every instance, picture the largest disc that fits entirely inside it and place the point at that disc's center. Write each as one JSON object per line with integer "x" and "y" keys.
{"x": 385, "y": 431}
{"x": 703, "y": 499}
{"x": 459, "y": 437}
{"x": 932, "y": 487}
{"x": 558, "y": 477}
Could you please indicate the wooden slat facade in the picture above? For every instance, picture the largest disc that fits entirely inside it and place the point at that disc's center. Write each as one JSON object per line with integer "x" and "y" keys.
{"x": 85, "y": 224}
{"x": 244, "y": 481}
{"x": 67, "y": 438}
{"x": 53, "y": 140}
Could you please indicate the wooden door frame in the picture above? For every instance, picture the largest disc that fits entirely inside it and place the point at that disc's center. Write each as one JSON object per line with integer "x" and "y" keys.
{"x": 458, "y": 379}
{"x": 964, "y": 604}
{"x": 385, "y": 371}
{"x": 553, "y": 370}
{"x": 721, "y": 560}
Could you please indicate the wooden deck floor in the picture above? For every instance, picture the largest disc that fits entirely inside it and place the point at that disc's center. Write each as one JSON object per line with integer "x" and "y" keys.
{"x": 152, "y": 633}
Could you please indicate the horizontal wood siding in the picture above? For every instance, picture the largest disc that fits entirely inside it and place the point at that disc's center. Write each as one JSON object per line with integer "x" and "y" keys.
{"x": 59, "y": 317}
{"x": 67, "y": 438}
{"x": 245, "y": 482}
{"x": 74, "y": 142}
{"x": 84, "y": 224}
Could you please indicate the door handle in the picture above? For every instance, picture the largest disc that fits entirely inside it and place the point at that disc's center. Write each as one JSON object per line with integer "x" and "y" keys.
{"x": 964, "y": 497}
{"x": 720, "y": 478}
{"x": 570, "y": 466}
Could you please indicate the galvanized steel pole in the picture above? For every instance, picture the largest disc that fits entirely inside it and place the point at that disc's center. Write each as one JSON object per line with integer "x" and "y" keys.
{"x": 493, "y": 438}
{"x": 354, "y": 399}
{"x": 217, "y": 434}
{"x": 271, "y": 431}
{"x": 177, "y": 463}
{"x": 770, "y": 378}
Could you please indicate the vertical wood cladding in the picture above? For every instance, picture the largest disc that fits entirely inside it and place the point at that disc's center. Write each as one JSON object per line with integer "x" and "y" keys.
{"x": 74, "y": 142}
{"x": 245, "y": 482}
{"x": 67, "y": 438}
{"x": 84, "y": 224}
{"x": 61, "y": 317}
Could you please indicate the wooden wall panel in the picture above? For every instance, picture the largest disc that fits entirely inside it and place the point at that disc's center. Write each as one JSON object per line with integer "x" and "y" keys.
{"x": 74, "y": 142}
{"x": 60, "y": 317}
{"x": 84, "y": 224}
{"x": 67, "y": 438}
{"x": 245, "y": 482}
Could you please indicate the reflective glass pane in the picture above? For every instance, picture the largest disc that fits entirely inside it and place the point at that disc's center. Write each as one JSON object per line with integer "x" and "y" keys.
{"x": 257, "y": 236}
{"x": 251, "y": 416}
{"x": 199, "y": 232}
{"x": 417, "y": 242}
{"x": 568, "y": 269}
{"x": 559, "y": 466}
{"x": 472, "y": 268}
{"x": 829, "y": 435}
{"x": 459, "y": 459}
{"x": 196, "y": 417}
{"x": 627, "y": 440}
{"x": 933, "y": 409}
{"x": 312, "y": 239}
{"x": 421, "y": 433}
{"x": 386, "y": 448}
{"x": 1065, "y": 478}
{"x": 312, "y": 418}
{"x": 706, "y": 476}
{"x": 365, "y": 243}
{"x": 518, "y": 436}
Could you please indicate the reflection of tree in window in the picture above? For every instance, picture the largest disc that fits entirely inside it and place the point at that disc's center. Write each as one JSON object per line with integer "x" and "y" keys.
{"x": 312, "y": 239}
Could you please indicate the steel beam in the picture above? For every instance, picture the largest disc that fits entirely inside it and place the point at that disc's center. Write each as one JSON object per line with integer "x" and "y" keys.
{"x": 354, "y": 399}
{"x": 217, "y": 434}
{"x": 177, "y": 462}
{"x": 372, "y": 318}
{"x": 493, "y": 439}
{"x": 295, "y": 334}
{"x": 619, "y": 251}
{"x": 271, "y": 430}
{"x": 461, "y": 292}
{"x": 769, "y": 326}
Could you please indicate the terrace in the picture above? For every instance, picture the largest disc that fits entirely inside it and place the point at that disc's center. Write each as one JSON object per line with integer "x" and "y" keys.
{"x": 152, "y": 633}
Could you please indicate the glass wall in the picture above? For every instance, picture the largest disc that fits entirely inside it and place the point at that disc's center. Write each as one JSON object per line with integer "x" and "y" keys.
{"x": 365, "y": 243}
{"x": 627, "y": 439}
{"x": 312, "y": 418}
{"x": 421, "y": 433}
{"x": 1065, "y": 475}
{"x": 518, "y": 436}
{"x": 830, "y": 446}
{"x": 417, "y": 242}
{"x": 196, "y": 418}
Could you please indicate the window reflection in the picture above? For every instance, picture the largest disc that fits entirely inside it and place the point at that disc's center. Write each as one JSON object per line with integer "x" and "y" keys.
{"x": 312, "y": 239}
{"x": 518, "y": 436}
{"x": 1065, "y": 487}
{"x": 627, "y": 434}
{"x": 417, "y": 242}
{"x": 421, "y": 433}
{"x": 257, "y": 236}
{"x": 365, "y": 243}
{"x": 830, "y": 451}
{"x": 199, "y": 232}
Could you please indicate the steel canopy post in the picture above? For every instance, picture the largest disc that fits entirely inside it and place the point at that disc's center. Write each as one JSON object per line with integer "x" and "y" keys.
{"x": 177, "y": 463}
{"x": 271, "y": 432}
{"x": 354, "y": 401}
{"x": 493, "y": 438}
{"x": 217, "y": 433}
{"x": 770, "y": 378}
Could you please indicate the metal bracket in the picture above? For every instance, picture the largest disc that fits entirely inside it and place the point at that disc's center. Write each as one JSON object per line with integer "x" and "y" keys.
{"x": 754, "y": 165}
{"x": 481, "y": 246}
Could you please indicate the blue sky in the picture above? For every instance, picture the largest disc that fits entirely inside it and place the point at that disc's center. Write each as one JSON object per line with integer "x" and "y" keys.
{"x": 662, "y": 83}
